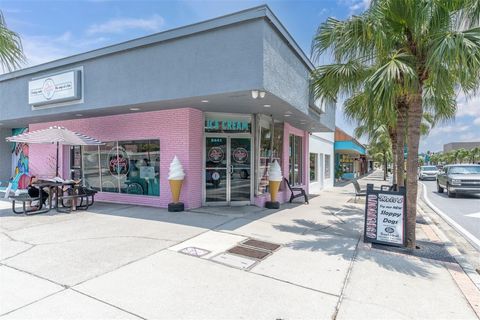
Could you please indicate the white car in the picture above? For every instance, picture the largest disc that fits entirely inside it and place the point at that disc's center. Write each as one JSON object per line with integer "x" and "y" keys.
{"x": 427, "y": 172}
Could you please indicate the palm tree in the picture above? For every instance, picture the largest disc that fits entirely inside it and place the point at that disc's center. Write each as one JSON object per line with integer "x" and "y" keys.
{"x": 474, "y": 153}
{"x": 11, "y": 54}
{"x": 426, "y": 49}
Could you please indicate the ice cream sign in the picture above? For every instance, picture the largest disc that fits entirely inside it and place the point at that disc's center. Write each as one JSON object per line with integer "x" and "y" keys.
{"x": 61, "y": 87}
{"x": 216, "y": 122}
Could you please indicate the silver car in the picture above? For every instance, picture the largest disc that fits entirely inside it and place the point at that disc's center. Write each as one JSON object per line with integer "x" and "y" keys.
{"x": 427, "y": 172}
{"x": 459, "y": 178}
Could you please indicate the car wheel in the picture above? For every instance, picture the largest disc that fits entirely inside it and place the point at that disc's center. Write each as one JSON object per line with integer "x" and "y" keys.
{"x": 439, "y": 189}
{"x": 449, "y": 193}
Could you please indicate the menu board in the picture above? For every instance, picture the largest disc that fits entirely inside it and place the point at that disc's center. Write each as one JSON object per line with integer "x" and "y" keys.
{"x": 385, "y": 216}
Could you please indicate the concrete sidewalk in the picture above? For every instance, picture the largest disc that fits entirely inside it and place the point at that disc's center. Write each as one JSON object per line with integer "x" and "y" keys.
{"x": 130, "y": 262}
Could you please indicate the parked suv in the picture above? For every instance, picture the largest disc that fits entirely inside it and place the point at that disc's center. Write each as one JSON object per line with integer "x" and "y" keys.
{"x": 427, "y": 172}
{"x": 459, "y": 178}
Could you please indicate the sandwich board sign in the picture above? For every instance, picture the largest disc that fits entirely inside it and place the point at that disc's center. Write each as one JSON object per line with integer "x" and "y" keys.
{"x": 385, "y": 217}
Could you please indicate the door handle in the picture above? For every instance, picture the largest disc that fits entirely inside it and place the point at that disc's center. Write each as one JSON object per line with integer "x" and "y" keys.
{"x": 231, "y": 169}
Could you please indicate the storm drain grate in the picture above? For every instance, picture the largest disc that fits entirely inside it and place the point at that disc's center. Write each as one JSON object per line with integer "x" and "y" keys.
{"x": 428, "y": 250}
{"x": 249, "y": 252}
{"x": 257, "y": 244}
{"x": 194, "y": 251}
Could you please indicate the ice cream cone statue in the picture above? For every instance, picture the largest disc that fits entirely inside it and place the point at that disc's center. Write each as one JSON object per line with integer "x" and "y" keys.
{"x": 175, "y": 177}
{"x": 274, "y": 180}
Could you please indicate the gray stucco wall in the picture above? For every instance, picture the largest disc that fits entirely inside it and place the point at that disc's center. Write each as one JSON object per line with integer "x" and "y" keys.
{"x": 5, "y": 155}
{"x": 285, "y": 75}
{"x": 221, "y": 60}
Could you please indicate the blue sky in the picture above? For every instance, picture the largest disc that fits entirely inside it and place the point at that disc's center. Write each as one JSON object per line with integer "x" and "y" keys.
{"x": 55, "y": 29}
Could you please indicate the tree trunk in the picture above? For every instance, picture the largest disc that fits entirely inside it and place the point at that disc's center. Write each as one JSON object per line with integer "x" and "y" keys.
{"x": 393, "y": 139}
{"x": 415, "y": 113}
{"x": 384, "y": 166}
{"x": 401, "y": 123}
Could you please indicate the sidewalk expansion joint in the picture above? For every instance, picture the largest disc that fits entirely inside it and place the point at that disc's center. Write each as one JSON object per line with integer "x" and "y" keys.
{"x": 109, "y": 304}
{"x": 30, "y": 303}
{"x": 347, "y": 278}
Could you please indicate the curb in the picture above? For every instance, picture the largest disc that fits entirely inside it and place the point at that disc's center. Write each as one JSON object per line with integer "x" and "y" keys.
{"x": 463, "y": 273}
{"x": 467, "y": 235}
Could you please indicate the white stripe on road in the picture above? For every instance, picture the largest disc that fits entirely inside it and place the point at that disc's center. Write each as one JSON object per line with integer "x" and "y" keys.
{"x": 473, "y": 215}
{"x": 474, "y": 240}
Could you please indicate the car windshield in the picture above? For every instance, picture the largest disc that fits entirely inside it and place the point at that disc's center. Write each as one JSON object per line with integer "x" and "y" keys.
{"x": 429, "y": 168}
{"x": 465, "y": 170}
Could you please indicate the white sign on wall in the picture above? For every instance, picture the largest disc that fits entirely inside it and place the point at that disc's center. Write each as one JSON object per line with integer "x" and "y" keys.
{"x": 56, "y": 88}
{"x": 390, "y": 218}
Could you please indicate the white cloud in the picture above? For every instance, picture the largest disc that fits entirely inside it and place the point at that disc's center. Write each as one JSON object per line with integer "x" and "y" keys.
{"x": 477, "y": 122}
{"x": 448, "y": 129}
{"x": 355, "y": 6}
{"x": 119, "y": 25}
{"x": 468, "y": 106}
{"x": 41, "y": 49}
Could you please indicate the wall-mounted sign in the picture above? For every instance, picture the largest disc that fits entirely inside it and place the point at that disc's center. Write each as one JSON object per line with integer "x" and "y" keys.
{"x": 147, "y": 172}
{"x": 56, "y": 88}
{"x": 118, "y": 162}
{"x": 385, "y": 213}
{"x": 227, "y": 123}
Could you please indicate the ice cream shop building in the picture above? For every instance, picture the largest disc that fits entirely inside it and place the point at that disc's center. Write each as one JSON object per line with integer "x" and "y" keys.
{"x": 226, "y": 96}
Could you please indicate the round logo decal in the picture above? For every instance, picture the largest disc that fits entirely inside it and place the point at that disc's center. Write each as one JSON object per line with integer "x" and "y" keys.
{"x": 215, "y": 154}
{"x": 118, "y": 165}
{"x": 48, "y": 89}
{"x": 389, "y": 230}
{"x": 215, "y": 176}
{"x": 240, "y": 155}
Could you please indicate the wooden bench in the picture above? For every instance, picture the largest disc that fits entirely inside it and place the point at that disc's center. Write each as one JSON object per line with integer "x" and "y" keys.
{"x": 24, "y": 198}
{"x": 296, "y": 192}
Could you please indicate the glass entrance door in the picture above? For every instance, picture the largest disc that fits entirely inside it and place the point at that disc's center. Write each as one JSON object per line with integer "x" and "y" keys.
{"x": 216, "y": 163}
{"x": 228, "y": 170}
{"x": 240, "y": 170}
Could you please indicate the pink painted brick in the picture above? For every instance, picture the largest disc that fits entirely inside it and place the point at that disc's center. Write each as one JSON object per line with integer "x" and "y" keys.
{"x": 180, "y": 132}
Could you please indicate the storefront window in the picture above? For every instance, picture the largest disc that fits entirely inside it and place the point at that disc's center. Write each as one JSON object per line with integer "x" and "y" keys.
{"x": 265, "y": 154}
{"x": 327, "y": 167}
{"x": 108, "y": 163}
{"x": 125, "y": 167}
{"x": 295, "y": 160}
{"x": 313, "y": 167}
{"x": 277, "y": 150}
{"x": 90, "y": 167}
{"x": 346, "y": 163}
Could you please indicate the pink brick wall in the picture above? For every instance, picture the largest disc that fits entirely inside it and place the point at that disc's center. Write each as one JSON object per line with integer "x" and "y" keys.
{"x": 180, "y": 132}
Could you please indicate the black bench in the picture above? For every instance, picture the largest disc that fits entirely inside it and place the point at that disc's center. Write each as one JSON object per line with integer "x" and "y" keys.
{"x": 24, "y": 198}
{"x": 84, "y": 194}
{"x": 297, "y": 192}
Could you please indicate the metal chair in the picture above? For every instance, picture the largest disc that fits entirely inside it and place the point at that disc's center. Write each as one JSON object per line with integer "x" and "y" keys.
{"x": 358, "y": 191}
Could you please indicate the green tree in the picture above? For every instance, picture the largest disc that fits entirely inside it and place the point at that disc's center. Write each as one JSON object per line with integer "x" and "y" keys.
{"x": 11, "y": 54}
{"x": 474, "y": 154}
{"x": 426, "y": 49}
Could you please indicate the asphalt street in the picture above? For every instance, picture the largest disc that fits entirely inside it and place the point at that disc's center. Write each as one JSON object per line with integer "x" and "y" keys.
{"x": 464, "y": 209}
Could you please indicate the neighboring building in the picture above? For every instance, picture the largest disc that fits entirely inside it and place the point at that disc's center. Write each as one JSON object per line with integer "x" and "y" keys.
{"x": 460, "y": 145}
{"x": 321, "y": 161}
{"x": 350, "y": 155}
{"x": 226, "y": 96}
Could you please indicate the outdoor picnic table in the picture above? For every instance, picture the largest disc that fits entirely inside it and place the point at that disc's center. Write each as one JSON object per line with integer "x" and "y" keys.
{"x": 57, "y": 188}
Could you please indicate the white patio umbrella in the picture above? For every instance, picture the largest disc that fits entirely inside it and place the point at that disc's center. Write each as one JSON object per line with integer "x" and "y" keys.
{"x": 55, "y": 135}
